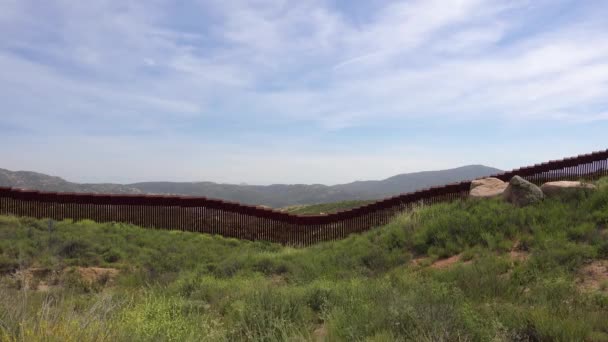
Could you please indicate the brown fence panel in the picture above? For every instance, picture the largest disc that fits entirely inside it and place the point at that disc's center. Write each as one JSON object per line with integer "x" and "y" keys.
{"x": 230, "y": 219}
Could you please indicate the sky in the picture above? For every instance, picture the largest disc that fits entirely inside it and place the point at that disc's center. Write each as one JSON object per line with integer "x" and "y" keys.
{"x": 328, "y": 92}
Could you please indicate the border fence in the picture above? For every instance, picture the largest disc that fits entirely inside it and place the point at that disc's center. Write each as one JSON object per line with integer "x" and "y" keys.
{"x": 231, "y": 219}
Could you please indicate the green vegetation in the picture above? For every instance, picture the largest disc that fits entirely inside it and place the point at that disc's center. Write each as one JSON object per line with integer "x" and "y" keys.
{"x": 325, "y": 208}
{"x": 518, "y": 279}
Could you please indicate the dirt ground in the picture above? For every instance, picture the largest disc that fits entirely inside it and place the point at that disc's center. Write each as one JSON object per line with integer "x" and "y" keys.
{"x": 594, "y": 277}
{"x": 45, "y": 279}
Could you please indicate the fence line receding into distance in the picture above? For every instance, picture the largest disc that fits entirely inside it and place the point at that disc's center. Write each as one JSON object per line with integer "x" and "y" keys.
{"x": 230, "y": 219}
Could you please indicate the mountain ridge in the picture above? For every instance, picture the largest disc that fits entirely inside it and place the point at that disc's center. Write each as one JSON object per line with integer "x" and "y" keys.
{"x": 274, "y": 195}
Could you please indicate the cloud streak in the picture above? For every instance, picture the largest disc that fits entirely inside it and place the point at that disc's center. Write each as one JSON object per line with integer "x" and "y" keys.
{"x": 130, "y": 69}
{"x": 433, "y": 54}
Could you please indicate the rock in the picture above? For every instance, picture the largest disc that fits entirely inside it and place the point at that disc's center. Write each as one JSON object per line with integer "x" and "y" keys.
{"x": 560, "y": 188}
{"x": 521, "y": 192}
{"x": 487, "y": 188}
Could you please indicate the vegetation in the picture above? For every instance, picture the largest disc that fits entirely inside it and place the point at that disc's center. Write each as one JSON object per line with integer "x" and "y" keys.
{"x": 325, "y": 208}
{"x": 519, "y": 278}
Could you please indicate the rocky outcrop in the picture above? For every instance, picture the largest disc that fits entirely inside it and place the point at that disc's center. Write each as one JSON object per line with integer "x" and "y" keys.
{"x": 487, "y": 188}
{"x": 521, "y": 192}
{"x": 564, "y": 188}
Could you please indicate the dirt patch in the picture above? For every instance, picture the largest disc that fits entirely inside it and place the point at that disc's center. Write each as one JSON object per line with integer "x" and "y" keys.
{"x": 519, "y": 255}
{"x": 516, "y": 256}
{"x": 277, "y": 280}
{"x": 446, "y": 263}
{"x": 36, "y": 278}
{"x": 96, "y": 275}
{"x": 439, "y": 264}
{"x": 320, "y": 334}
{"x": 420, "y": 261}
{"x": 44, "y": 287}
{"x": 594, "y": 277}
{"x": 45, "y": 279}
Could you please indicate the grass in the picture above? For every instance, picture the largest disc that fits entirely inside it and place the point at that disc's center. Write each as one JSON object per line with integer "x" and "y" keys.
{"x": 325, "y": 208}
{"x": 178, "y": 286}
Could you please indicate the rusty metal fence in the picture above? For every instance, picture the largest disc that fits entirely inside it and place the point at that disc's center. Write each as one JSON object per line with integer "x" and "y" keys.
{"x": 230, "y": 219}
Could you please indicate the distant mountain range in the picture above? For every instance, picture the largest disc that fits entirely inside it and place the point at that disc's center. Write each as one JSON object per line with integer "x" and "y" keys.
{"x": 277, "y": 195}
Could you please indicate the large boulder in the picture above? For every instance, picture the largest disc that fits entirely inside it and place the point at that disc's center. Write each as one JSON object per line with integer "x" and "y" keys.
{"x": 487, "y": 188}
{"x": 521, "y": 192}
{"x": 565, "y": 188}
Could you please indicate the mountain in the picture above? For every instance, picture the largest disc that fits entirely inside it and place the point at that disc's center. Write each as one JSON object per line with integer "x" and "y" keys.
{"x": 276, "y": 195}
{"x": 408, "y": 182}
{"x": 40, "y": 181}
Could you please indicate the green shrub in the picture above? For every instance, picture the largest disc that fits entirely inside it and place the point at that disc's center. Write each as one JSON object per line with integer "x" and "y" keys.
{"x": 582, "y": 231}
{"x": 228, "y": 268}
{"x": 602, "y": 250}
{"x": 320, "y": 295}
{"x": 270, "y": 266}
{"x": 74, "y": 249}
{"x": 158, "y": 317}
{"x": 270, "y": 315}
{"x": 482, "y": 280}
{"x": 112, "y": 255}
{"x": 562, "y": 254}
{"x": 7, "y": 265}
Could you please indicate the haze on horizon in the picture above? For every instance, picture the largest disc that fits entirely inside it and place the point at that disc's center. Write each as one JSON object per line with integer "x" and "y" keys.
{"x": 267, "y": 92}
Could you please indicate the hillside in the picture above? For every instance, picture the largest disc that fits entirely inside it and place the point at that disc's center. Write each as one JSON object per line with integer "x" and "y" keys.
{"x": 461, "y": 271}
{"x": 277, "y": 195}
{"x": 40, "y": 181}
{"x": 324, "y": 208}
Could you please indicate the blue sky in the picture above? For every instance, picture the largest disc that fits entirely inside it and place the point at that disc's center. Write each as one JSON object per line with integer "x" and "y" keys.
{"x": 297, "y": 91}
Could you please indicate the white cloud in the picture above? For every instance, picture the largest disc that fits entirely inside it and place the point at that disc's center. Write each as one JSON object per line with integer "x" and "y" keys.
{"x": 414, "y": 58}
{"x": 142, "y": 67}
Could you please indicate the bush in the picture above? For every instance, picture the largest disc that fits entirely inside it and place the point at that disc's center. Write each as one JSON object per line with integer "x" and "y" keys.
{"x": 74, "y": 249}
{"x": 227, "y": 268}
{"x": 602, "y": 250}
{"x": 112, "y": 256}
{"x": 270, "y": 315}
{"x": 558, "y": 254}
{"x": 319, "y": 296}
{"x": 582, "y": 231}
{"x": 158, "y": 317}
{"x": 7, "y": 265}
{"x": 270, "y": 266}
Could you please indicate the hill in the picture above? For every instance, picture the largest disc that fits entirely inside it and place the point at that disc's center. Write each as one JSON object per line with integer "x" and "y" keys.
{"x": 466, "y": 271}
{"x": 324, "y": 208}
{"x": 43, "y": 182}
{"x": 277, "y": 195}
